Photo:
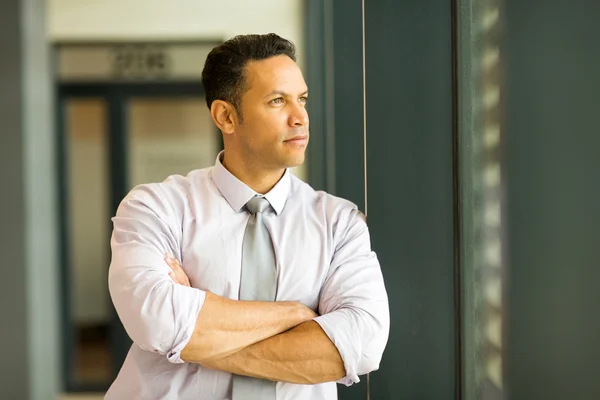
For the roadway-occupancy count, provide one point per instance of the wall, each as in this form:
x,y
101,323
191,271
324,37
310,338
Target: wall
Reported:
x,y
553,197
29,366
128,19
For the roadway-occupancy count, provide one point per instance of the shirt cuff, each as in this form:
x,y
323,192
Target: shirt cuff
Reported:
x,y
188,323
341,330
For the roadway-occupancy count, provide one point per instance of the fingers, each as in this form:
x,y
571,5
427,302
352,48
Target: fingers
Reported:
x,y
172,262
177,273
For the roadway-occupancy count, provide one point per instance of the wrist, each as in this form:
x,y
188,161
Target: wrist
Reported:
x,y
303,313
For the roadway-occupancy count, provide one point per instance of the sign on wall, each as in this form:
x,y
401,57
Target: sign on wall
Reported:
x,y
132,62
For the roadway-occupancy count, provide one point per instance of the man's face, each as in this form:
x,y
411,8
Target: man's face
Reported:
x,y
274,131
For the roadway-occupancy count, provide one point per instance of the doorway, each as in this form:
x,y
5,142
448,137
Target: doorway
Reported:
x,y
113,134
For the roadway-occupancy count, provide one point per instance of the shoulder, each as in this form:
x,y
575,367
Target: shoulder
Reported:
x,y
168,197
338,212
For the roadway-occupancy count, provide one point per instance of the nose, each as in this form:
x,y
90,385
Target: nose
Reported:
x,y
298,116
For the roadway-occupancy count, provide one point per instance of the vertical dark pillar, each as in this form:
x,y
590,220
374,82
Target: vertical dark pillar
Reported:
x,y
14,374
410,193
409,180
348,101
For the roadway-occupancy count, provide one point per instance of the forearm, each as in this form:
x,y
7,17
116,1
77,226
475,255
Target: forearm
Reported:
x,y
302,355
227,326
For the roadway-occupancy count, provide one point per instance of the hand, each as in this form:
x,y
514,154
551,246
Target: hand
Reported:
x,y
177,273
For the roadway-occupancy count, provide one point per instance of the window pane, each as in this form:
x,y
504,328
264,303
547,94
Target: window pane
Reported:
x,y
483,256
169,136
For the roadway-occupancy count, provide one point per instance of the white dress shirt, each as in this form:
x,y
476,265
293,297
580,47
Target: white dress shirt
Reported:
x,y
323,256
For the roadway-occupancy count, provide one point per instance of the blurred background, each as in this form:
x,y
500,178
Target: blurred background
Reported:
x,y
466,130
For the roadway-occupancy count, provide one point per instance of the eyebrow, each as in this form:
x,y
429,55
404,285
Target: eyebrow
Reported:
x,y
284,94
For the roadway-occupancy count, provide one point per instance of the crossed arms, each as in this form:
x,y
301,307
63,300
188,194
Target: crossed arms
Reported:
x,y
281,341
276,341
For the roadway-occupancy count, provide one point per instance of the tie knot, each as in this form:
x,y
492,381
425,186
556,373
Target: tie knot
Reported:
x,y
257,205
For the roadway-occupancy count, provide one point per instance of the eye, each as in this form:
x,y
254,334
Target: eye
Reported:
x,y
303,99
278,100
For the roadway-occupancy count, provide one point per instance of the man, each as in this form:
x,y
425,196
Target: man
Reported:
x,y
273,292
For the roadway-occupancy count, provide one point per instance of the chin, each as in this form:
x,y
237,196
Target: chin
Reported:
x,y
295,161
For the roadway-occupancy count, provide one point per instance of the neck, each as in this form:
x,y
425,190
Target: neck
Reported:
x,y
259,179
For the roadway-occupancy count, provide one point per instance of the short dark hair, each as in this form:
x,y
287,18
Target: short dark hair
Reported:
x,y
223,75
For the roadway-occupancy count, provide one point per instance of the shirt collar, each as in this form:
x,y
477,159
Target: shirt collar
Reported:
x,y
237,193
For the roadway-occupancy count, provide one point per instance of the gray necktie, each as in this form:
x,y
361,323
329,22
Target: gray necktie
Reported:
x,y
259,283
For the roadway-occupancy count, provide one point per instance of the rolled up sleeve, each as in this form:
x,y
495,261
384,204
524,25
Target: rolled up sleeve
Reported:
x,y
353,304
158,314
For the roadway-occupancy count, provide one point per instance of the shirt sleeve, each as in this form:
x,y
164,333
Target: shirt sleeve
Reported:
x,y
158,314
353,304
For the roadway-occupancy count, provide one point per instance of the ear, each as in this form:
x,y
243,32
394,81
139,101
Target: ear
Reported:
x,y
224,115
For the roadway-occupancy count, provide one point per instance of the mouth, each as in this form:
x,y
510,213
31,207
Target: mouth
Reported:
x,y
301,139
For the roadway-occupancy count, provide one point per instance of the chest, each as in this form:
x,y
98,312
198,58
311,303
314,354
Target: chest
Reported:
x,y
212,255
